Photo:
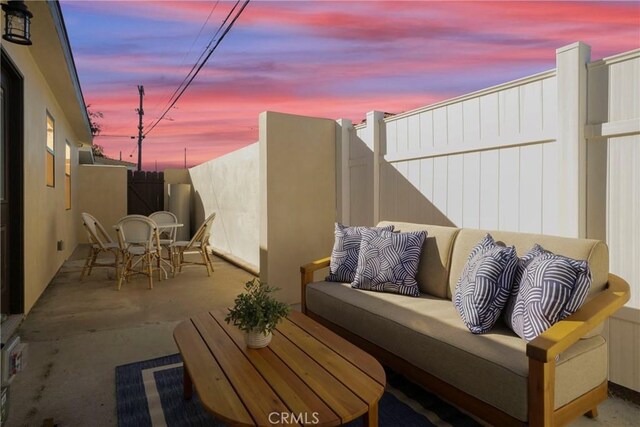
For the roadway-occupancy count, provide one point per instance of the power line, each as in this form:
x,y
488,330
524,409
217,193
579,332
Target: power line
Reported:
x,y
189,51
200,32
195,65
138,146
226,31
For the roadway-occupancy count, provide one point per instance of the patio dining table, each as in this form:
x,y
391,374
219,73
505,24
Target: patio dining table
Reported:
x,y
161,227
167,227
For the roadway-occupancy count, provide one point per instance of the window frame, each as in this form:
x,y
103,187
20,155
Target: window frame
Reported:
x,y
50,153
67,174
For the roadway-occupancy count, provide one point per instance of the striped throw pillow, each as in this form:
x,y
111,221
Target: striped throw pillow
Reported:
x,y
344,257
551,288
388,262
523,263
485,284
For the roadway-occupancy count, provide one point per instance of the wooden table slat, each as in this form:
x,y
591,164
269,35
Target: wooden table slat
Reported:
x,y
364,361
258,397
217,395
291,389
340,399
351,376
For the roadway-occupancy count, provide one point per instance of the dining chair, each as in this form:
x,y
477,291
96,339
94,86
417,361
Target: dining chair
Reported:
x,y
100,242
140,245
199,243
167,234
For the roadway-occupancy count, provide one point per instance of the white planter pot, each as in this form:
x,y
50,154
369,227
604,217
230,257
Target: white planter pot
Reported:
x,y
257,339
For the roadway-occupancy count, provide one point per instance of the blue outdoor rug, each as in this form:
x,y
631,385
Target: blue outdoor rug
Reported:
x,y
149,393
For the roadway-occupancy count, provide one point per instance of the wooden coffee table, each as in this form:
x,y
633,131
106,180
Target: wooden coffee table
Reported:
x,y
307,374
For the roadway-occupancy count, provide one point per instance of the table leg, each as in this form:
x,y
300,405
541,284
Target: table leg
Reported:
x,y
188,386
370,419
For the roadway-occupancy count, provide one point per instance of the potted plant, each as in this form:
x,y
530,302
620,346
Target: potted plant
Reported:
x,y
257,313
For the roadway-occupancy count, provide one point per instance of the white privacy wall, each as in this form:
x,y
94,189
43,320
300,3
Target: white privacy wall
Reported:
x,y
614,132
230,187
613,135
467,162
486,160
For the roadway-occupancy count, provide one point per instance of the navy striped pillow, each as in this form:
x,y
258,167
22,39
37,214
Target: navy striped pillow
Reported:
x,y
388,262
523,263
485,284
551,288
344,257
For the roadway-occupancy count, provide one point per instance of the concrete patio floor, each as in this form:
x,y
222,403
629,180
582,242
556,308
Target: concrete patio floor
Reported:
x,y
78,332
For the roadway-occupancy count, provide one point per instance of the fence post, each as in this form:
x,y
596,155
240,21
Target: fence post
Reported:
x,y
571,74
343,171
375,124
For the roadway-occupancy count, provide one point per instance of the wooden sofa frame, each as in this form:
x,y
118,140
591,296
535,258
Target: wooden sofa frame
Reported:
x,y
541,353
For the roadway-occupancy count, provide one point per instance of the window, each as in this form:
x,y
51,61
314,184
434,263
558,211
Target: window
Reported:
x,y
67,176
51,153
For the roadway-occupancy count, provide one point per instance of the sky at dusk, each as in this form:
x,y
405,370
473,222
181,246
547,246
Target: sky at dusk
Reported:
x,y
321,58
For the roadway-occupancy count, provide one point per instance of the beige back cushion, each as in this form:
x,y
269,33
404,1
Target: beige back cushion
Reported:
x,y
433,270
594,251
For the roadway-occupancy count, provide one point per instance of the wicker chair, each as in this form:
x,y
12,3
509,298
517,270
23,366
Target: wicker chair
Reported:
x,y
140,245
167,234
199,243
100,242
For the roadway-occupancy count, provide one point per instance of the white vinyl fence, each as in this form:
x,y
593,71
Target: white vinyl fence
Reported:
x,y
488,160
613,173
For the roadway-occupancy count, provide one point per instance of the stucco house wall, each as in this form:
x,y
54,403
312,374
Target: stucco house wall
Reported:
x,y
49,90
102,192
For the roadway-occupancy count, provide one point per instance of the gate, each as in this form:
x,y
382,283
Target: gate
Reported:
x,y
145,192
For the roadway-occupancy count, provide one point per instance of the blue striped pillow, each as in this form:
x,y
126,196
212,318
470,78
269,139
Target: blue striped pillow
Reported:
x,y
388,262
485,284
535,251
551,288
344,257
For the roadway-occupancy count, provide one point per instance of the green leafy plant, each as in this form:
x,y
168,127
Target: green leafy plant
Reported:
x,y
255,310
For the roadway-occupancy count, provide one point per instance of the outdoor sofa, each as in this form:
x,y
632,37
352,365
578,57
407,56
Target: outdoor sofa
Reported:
x,y
497,376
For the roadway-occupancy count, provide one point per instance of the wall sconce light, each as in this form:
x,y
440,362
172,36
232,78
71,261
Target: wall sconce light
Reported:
x,y
17,22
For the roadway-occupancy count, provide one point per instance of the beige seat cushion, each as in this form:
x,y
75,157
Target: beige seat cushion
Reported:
x,y
427,332
433,270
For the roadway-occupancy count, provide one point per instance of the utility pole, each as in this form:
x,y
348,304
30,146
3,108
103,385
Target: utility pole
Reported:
x,y
140,135
185,157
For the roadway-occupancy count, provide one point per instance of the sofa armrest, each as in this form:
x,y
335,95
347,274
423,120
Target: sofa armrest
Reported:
x,y
565,333
306,276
